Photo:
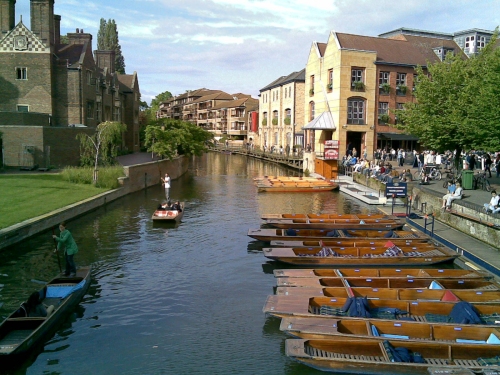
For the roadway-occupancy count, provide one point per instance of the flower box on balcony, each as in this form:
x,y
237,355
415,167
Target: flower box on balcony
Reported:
x,y
358,85
385,88
311,92
275,121
264,122
402,89
329,86
287,120
384,118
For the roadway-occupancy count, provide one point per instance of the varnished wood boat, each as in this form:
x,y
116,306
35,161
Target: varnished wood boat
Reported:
x,y
373,357
324,216
387,282
360,257
287,178
271,234
296,187
318,328
394,310
19,334
168,215
330,224
435,273
358,242
488,296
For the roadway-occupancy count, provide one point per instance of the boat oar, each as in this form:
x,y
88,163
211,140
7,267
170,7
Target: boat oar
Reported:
x,y
57,252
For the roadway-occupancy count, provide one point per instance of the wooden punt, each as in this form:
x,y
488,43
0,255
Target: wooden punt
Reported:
x,y
392,310
434,273
360,257
19,334
287,178
273,234
296,187
387,282
318,328
330,224
325,216
372,357
168,215
488,296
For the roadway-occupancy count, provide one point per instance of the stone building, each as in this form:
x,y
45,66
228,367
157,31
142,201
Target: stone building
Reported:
x,y
53,90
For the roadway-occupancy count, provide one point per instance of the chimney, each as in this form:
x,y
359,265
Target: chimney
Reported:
x,y
57,29
7,16
42,20
79,37
105,59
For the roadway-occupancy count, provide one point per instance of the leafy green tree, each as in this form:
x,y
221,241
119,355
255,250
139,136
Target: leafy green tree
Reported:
x,y
107,40
456,103
158,99
169,138
102,147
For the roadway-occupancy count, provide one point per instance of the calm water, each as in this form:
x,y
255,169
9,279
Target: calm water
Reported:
x,y
170,300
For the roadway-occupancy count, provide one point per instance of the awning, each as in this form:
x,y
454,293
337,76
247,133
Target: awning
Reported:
x,y
397,136
322,122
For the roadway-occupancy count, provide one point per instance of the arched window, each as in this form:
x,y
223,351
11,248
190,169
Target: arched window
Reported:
x,y
356,111
311,111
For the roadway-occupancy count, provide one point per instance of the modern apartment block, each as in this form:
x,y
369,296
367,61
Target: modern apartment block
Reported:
x,y
281,112
213,110
48,85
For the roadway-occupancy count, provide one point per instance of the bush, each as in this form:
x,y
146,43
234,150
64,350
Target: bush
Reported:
x,y
307,173
107,177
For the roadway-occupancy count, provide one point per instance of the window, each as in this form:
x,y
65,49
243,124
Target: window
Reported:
x,y
98,112
90,109
311,85
356,111
290,92
275,118
401,79
311,111
383,78
22,73
399,107
383,113
276,139
89,77
286,93
288,116
23,108
356,75
330,79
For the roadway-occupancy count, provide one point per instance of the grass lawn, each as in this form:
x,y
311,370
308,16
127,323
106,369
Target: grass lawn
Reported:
x,y
23,197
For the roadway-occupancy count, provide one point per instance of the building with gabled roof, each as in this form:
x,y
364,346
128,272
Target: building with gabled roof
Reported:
x,y
50,84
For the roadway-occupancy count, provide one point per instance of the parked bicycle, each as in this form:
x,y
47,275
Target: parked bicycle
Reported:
x,y
481,182
453,178
432,172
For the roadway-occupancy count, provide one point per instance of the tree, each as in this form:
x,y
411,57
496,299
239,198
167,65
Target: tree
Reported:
x,y
456,103
102,147
150,112
107,40
169,138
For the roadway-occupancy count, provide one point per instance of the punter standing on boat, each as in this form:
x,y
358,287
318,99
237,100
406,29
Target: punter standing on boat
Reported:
x,y
65,241
166,183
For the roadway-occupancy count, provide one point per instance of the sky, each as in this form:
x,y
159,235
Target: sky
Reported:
x,y
243,45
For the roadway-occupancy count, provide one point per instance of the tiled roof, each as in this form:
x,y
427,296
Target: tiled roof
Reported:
x,y
216,96
299,76
322,48
70,53
236,103
412,50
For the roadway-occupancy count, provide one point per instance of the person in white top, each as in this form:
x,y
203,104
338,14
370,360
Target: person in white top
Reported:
x,y
493,205
166,183
449,198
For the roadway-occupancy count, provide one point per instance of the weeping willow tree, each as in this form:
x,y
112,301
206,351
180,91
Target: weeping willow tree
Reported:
x,y
102,147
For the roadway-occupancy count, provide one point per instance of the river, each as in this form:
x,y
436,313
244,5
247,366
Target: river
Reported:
x,y
170,300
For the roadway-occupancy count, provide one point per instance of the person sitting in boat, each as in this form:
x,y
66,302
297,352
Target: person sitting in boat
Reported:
x,y
35,308
177,206
162,206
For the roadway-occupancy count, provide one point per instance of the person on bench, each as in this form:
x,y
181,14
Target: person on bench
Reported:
x,y
493,205
449,198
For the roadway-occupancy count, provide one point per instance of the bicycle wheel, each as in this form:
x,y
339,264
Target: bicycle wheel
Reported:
x,y
437,175
486,185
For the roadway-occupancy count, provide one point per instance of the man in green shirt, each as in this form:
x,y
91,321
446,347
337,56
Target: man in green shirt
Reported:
x,y
65,241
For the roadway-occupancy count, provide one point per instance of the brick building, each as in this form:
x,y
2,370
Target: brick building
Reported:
x,y
59,85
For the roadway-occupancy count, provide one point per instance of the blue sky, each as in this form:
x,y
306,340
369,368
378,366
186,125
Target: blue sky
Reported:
x,y
241,46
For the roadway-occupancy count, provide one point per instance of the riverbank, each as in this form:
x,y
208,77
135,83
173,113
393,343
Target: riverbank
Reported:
x,y
140,172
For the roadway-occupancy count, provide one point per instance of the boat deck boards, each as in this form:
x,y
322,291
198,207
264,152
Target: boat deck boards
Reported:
x,y
15,337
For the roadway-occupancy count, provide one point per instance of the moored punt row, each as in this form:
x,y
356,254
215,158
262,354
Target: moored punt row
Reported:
x,y
383,272
420,311
319,328
324,216
373,357
267,235
296,187
489,296
387,282
371,224
356,242
360,257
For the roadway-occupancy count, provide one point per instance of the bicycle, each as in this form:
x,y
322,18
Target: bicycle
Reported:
x,y
432,172
480,181
453,178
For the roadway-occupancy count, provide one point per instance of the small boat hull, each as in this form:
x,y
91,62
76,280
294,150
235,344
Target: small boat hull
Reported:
x,y
168,215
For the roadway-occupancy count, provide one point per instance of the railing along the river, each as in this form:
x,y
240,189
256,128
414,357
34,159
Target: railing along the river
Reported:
x,y
292,159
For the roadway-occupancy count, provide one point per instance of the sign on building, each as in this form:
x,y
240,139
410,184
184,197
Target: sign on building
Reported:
x,y
332,150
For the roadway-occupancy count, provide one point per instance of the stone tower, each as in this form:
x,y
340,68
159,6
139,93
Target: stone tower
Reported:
x,y
42,20
7,16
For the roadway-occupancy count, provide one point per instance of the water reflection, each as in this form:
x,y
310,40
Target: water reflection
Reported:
x,y
167,299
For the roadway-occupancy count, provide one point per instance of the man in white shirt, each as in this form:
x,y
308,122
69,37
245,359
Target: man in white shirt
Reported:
x,y
493,205
449,198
